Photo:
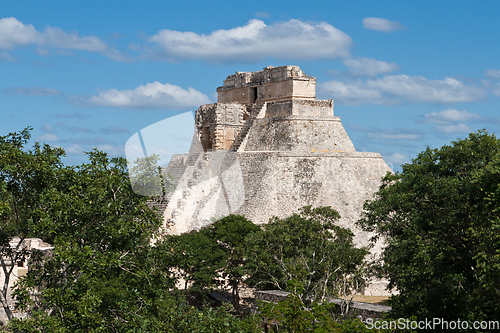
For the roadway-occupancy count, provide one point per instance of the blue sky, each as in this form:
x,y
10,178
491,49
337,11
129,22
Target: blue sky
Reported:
x,y
404,75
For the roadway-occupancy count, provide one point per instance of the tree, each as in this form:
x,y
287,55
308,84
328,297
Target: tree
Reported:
x,y
103,274
440,218
196,259
27,177
229,235
292,315
212,257
310,249
145,177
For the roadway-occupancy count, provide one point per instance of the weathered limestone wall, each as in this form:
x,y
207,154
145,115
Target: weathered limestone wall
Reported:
x,y
240,95
211,186
288,89
272,91
277,184
300,107
298,133
218,124
270,84
268,74
261,185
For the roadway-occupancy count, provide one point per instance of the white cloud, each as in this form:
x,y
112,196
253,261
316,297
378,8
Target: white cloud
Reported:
x,y
398,89
47,128
154,95
369,67
70,116
254,42
79,129
458,128
113,130
112,150
393,136
74,150
492,85
31,91
492,74
496,89
381,24
354,92
448,120
47,138
376,133
14,33
5,56
451,116
396,158
42,52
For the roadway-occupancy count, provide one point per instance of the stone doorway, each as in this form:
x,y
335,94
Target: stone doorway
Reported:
x,y
252,94
206,142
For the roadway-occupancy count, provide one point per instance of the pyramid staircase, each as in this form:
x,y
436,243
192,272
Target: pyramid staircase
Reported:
x,y
178,207
172,175
257,111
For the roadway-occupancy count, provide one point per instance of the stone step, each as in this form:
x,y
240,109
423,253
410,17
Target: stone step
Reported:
x,y
175,170
241,136
192,158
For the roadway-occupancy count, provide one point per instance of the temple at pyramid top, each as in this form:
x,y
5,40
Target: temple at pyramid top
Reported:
x,y
267,85
266,110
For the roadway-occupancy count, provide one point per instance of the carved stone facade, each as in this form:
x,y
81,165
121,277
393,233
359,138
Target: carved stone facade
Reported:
x,y
17,269
270,84
219,124
265,149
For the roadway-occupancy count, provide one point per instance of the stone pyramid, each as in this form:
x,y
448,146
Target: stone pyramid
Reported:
x,y
265,149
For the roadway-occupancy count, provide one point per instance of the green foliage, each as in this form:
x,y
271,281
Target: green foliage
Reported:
x,y
230,234
173,315
441,220
292,315
196,257
146,178
103,272
308,248
26,180
212,257
207,320
289,315
105,276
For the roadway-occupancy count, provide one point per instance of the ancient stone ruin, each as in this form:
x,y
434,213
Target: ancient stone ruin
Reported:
x,y
15,266
265,149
